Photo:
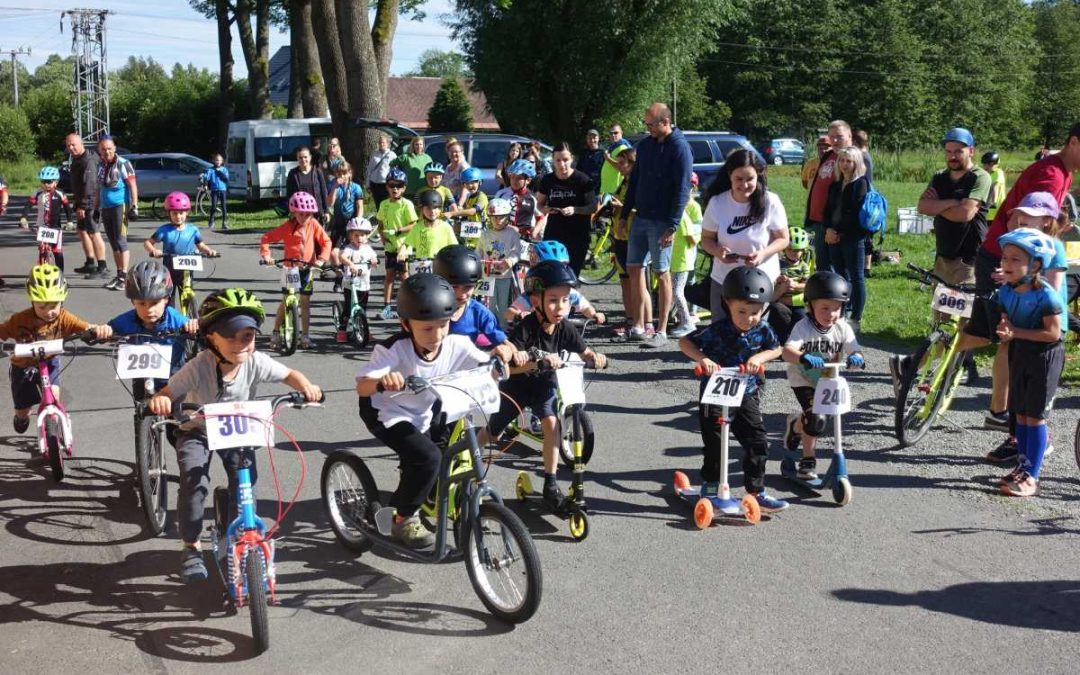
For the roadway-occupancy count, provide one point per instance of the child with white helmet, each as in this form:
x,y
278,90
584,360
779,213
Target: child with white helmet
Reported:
x,y
356,259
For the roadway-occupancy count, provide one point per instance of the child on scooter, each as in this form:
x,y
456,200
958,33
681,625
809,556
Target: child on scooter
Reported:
x,y
404,423
355,258
460,266
818,338
741,339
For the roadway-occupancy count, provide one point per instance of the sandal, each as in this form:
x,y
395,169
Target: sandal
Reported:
x,y
1022,485
192,567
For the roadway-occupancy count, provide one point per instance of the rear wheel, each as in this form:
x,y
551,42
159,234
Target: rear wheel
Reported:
x,y
566,444
918,402
350,498
504,567
290,328
255,576
153,482
54,441
599,265
361,333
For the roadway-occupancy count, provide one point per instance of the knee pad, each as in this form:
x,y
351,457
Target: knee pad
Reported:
x,y
813,425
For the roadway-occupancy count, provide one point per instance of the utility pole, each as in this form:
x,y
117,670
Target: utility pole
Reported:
x,y
90,89
15,70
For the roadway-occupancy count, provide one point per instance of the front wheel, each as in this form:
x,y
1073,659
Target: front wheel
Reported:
x,y
54,441
255,579
150,462
579,526
1076,443
335,313
361,332
503,566
778,160
918,402
290,328
190,308
842,491
350,498
566,444
599,265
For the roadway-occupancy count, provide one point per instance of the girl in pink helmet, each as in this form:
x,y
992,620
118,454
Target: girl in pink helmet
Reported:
x,y
177,237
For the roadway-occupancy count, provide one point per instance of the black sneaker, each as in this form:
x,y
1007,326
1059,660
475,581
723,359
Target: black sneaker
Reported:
x,y
21,424
553,496
807,468
1005,453
102,273
997,421
86,268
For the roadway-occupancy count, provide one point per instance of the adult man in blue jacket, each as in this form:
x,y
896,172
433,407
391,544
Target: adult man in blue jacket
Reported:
x,y
659,189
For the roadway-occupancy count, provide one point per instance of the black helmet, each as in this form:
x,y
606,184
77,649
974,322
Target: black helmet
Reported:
x,y
458,264
431,199
548,273
747,283
990,157
827,286
426,297
148,280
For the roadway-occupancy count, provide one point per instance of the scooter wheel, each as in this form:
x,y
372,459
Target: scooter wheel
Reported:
x,y
681,481
841,491
579,526
753,510
703,513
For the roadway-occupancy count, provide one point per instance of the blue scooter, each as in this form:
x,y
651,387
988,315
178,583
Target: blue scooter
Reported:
x,y
831,399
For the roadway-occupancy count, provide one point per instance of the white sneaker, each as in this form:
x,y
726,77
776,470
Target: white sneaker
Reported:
x,y
275,341
305,342
680,331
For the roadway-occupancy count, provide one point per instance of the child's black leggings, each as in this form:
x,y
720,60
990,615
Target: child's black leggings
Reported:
x,y
748,428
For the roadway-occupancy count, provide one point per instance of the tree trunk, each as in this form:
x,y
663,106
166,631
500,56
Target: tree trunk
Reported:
x,y
256,48
296,106
306,55
228,105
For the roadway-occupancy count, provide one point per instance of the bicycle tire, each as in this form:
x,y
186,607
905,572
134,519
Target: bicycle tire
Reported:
x,y
566,450
157,208
916,393
290,328
46,257
335,313
599,265
190,310
350,499
153,481
255,579
1076,443
54,444
361,334
520,557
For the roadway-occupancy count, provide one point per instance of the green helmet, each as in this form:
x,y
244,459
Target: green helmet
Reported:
x,y
227,303
800,239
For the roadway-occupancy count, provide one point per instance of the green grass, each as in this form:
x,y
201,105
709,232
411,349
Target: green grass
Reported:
x,y
21,175
242,216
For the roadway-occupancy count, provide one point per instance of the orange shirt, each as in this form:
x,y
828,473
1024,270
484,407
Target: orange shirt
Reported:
x,y
299,242
25,326
819,189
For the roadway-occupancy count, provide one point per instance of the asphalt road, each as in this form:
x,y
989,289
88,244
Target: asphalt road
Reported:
x,y
928,569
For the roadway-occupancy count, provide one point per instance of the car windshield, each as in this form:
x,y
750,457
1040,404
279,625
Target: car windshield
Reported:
x,y
279,148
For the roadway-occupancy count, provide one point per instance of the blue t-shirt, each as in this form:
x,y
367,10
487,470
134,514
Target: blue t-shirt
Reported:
x,y
128,324
1061,262
177,242
112,182
345,201
217,178
478,320
729,347
1027,310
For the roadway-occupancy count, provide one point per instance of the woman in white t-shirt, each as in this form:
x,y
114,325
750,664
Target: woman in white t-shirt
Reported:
x,y
742,218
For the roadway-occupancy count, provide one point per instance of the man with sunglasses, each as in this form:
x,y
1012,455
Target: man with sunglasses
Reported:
x,y
610,178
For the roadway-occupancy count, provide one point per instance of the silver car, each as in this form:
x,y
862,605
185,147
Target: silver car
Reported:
x,y
160,173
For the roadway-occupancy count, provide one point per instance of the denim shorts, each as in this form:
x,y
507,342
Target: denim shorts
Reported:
x,y
645,240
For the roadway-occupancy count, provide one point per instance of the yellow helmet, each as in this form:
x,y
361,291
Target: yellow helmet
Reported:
x,y
46,283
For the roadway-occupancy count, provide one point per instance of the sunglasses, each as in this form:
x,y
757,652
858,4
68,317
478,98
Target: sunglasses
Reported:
x,y
394,187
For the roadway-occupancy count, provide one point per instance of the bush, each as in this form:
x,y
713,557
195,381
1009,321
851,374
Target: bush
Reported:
x,y
15,138
451,110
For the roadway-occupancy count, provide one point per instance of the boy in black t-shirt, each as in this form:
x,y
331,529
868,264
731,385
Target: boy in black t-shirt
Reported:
x,y
548,284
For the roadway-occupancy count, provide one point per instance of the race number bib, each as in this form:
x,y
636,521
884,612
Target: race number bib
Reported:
x,y
726,387
473,390
47,235
485,287
239,424
143,361
290,278
571,380
40,350
832,396
421,267
189,263
956,303
470,229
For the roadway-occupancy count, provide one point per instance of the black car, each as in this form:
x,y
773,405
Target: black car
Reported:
x,y
710,149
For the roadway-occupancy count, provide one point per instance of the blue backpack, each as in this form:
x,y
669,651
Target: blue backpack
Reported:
x,y
874,211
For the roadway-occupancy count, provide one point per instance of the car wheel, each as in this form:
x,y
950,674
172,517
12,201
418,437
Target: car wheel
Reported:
x,y
778,160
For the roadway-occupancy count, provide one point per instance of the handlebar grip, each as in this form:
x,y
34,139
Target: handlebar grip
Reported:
x,y
699,371
379,388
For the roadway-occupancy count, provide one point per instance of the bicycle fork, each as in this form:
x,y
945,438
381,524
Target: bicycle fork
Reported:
x,y
243,537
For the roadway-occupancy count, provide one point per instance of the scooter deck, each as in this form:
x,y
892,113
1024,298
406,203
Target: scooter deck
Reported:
x,y
722,508
789,469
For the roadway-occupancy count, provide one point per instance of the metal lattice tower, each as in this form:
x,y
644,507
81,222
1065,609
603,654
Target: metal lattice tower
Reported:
x,y
90,88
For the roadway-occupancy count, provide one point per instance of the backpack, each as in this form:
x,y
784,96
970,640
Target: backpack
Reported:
x,y
873,212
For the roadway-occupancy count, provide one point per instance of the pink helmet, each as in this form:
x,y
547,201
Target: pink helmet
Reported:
x,y
302,202
177,201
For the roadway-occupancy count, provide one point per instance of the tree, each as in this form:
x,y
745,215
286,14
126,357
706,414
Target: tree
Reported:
x,y
305,81
437,63
1055,102
16,141
451,110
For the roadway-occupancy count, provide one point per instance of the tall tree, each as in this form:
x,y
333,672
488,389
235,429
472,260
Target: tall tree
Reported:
x,y
451,110
437,63
227,111
1055,102
305,76
255,43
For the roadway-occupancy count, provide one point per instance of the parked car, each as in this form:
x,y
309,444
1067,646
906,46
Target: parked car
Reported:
x,y
710,149
484,151
160,173
783,151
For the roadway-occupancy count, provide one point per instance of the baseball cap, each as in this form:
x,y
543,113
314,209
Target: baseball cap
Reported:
x,y
1039,204
592,132
959,135
233,325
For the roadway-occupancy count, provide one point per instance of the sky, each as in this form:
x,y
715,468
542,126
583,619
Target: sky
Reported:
x,y
170,31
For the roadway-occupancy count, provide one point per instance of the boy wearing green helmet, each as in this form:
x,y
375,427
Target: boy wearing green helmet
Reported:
x,y
796,266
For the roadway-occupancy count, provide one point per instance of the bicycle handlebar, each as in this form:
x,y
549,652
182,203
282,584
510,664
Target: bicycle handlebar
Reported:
x,y
296,261
86,336
929,275
293,399
414,384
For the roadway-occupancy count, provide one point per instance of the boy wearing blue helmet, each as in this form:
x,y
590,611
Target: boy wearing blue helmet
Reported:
x,y
525,213
552,250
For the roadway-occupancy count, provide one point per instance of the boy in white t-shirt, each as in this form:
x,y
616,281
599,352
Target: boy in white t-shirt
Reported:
x,y
818,338
356,259
404,423
500,248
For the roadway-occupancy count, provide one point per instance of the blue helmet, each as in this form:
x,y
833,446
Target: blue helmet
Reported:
x,y
959,135
1037,245
471,174
551,250
397,176
434,167
48,173
522,167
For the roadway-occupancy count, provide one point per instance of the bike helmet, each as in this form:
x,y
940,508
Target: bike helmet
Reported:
x,y
434,167
177,201
1037,245
48,174
499,207
426,297
302,202
457,264
46,283
228,303
148,280
551,250
522,167
359,224
827,286
800,239
431,199
548,274
747,283
396,176
990,158
472,174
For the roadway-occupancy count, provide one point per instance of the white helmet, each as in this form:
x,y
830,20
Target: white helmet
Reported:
x,y
360,224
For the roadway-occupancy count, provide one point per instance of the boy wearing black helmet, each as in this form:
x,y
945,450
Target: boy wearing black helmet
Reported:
x,y
741,339
818,338
423,347
548,284
460,265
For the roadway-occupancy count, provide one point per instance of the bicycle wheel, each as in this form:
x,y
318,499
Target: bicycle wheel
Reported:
x,y
157,207
599,265
54,441
918,402
361,332
335,313
290,328
153,480
350,498
504,568
255,579
1076,443
566,448
190,309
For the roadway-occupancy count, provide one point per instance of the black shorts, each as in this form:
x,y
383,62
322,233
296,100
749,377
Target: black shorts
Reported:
x,y
88,224
985,316
26,383
306,287
1034,372
539,394
985,264
392,264
805,397
619,248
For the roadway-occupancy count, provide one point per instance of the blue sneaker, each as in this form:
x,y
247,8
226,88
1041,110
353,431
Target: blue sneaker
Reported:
x,y
770,504
710,489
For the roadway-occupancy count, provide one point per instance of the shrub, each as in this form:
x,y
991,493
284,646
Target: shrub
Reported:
x,y
15,138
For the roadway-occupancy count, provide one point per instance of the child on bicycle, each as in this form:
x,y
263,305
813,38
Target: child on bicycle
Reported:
x,y
500,248
522,305
304,239
46,319
525,214
431,235
405,423
356,258
683,254
230,369
548,284
216,180
397,217
741,339
346,200
820,337
461,266
176,237
433,175
795,268
49,204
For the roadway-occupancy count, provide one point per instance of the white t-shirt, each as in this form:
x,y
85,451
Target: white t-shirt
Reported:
x,y
197,381
807,338
356,255
504,244
397,354
729,220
